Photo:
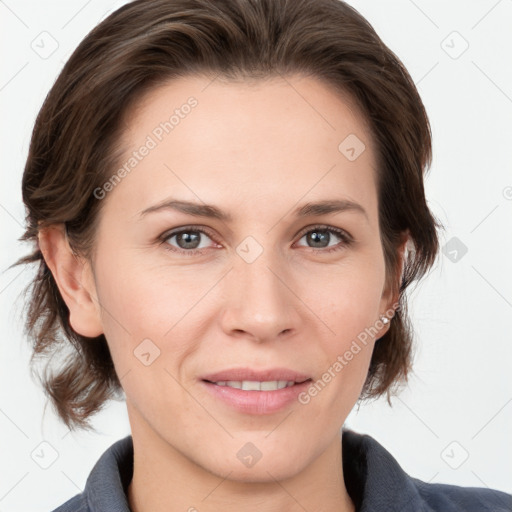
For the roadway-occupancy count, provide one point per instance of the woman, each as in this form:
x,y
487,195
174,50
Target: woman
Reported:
x,y
227,199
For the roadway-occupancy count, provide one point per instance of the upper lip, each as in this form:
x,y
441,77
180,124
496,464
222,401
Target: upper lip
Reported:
x,y
249,374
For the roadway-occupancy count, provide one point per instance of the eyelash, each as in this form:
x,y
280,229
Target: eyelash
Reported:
x,y
346,239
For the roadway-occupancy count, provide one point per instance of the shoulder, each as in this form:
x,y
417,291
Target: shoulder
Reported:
x,y
448,498
376,481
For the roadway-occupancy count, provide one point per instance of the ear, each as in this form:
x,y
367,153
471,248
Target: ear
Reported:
x,y
74,278
391,294
400,268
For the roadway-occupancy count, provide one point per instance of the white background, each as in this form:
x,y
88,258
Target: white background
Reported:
x,y
453,423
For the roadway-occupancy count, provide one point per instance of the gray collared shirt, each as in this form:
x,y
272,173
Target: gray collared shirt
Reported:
x,y
374,480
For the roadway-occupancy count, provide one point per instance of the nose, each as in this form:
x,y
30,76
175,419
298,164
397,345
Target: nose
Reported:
x,y
260,303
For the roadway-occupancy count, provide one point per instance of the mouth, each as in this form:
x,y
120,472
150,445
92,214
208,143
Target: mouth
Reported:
x,y
255,385
250,377
256,393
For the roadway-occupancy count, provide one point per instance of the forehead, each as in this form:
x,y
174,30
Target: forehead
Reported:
x,y
221,141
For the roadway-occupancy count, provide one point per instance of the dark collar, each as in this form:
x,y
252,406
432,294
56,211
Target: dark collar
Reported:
x,y
374,479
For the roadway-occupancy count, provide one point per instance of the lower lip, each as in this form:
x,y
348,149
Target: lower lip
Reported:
x,y
257,402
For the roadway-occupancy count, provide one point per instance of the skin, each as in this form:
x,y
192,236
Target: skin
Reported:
x,y
257,151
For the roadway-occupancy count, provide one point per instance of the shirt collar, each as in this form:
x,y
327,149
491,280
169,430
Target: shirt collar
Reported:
x,y
374,479
107,485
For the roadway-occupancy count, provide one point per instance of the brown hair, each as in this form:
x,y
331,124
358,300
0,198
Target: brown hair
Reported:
x,y
74,148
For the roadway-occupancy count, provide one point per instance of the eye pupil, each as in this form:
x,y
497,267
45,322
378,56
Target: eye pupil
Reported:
x,y
319,237
188,237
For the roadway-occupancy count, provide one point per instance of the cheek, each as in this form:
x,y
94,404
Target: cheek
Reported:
x,y
348,301
351,313
150,310
145,297
347,296
148,330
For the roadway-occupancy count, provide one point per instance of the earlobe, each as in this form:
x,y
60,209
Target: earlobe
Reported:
x,y
73,276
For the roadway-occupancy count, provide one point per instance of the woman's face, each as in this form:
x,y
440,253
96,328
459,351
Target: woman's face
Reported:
x,y
263,288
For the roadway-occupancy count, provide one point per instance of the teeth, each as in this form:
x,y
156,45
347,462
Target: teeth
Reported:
x,y
251,385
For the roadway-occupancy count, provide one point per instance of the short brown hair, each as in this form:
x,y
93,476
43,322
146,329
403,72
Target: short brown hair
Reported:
x,y
149,42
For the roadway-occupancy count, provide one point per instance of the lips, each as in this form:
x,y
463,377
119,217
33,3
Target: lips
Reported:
x,y
250,374
255,402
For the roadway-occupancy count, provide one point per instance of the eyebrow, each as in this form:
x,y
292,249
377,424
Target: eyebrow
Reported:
x,y
207,210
